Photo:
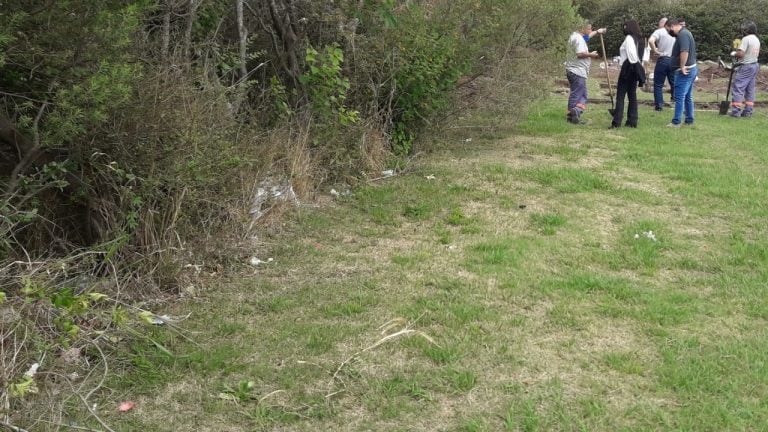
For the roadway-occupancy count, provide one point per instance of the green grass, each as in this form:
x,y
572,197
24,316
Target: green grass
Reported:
x,y
531,293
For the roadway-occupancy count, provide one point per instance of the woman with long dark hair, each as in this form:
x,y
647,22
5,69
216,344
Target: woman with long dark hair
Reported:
x,y
632,73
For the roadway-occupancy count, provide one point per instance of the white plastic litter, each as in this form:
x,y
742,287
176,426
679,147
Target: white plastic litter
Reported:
x,y
335,193
430,177
32,371
256,261
156,320
647,234
268,192
388,173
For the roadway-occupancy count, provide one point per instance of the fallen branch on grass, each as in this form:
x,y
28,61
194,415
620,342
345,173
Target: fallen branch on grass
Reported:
x,y
384,328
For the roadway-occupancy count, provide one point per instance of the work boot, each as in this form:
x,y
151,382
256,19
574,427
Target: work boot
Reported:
x,y
574,116
735,112
746,113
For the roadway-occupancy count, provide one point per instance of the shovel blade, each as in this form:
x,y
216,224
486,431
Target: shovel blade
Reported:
x,y
724,105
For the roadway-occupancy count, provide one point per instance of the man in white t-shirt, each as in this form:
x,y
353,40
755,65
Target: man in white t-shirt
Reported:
x,y
577,63
661,44
745,77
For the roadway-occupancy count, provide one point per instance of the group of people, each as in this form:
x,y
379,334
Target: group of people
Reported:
x,y
676,63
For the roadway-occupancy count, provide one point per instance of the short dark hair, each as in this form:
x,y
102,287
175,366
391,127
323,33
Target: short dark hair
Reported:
x,y
674,21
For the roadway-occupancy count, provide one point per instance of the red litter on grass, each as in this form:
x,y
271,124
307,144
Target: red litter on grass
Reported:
x,y
126,406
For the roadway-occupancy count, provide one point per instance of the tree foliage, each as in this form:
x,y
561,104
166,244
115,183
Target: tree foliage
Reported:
x,y
714,23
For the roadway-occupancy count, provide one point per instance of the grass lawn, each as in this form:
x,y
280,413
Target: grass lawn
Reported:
x,y
546,277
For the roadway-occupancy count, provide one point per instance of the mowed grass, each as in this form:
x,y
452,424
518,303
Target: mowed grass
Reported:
x,y
563,278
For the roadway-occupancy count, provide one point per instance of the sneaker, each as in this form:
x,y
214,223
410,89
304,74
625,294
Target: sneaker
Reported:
x,y
658,108
673,125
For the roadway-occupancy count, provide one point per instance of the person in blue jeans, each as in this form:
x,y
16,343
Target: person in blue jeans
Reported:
x,y
684,63
661,43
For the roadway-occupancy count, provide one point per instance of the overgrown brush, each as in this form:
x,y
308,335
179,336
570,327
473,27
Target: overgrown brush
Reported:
x,y
135,136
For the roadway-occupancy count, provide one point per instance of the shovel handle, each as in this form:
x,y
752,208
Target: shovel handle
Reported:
x,y
607,74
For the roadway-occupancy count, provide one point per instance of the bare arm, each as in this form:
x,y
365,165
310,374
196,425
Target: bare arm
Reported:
x,y
683,61
592,54
652,43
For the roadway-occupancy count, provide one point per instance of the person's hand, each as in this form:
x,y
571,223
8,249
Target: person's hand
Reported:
x,y
733,53
601,30
595,54
684,70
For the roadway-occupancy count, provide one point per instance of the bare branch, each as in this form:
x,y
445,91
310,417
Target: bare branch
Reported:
x,y
30,155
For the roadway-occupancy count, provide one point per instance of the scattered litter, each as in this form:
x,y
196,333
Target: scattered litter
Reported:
x,y
227,397
337,194
430,177
256,261
268,192
156,320
522,206
190,290
126,406
647,234
468,140
153,319
32,371
196,267
451,247
388,173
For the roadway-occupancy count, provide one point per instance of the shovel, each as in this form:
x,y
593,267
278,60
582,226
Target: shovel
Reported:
x,y
611,110
725,105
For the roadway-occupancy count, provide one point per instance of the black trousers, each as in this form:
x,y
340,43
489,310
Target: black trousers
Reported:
x,y
626,87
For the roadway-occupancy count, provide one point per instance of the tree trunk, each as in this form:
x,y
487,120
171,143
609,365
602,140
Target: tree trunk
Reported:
x,y
166,37
284,27
243,33
191,17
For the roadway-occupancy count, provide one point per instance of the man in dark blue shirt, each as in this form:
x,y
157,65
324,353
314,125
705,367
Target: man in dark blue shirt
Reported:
x,y
684,65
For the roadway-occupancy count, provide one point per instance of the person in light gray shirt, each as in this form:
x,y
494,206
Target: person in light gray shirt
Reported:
x,y
745,77
577,63
661,44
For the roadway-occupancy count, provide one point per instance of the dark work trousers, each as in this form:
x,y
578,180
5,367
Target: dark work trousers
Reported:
x,y
626,86
662,72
